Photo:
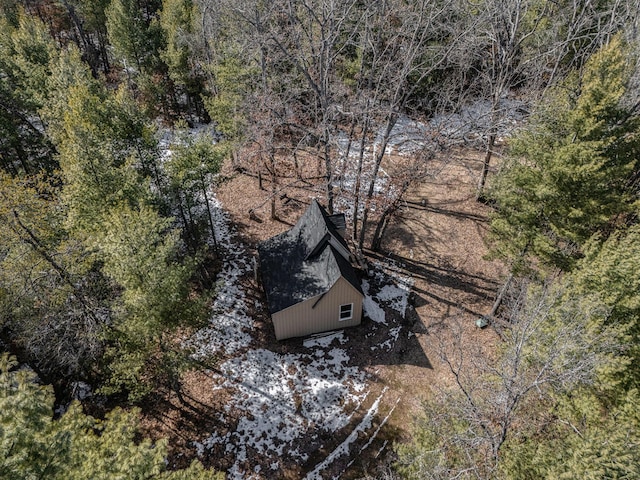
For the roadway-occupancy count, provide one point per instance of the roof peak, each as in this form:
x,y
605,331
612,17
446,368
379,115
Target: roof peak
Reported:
x,y
306,260
317,230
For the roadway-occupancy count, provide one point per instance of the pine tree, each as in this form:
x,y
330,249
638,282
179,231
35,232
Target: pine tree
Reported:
x,y
612,268
582,439
75,447
570,170
26,51
128,30
193,163
105,152
179,22
233,79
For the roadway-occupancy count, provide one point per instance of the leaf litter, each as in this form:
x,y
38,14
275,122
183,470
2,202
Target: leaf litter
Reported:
x,y
285,405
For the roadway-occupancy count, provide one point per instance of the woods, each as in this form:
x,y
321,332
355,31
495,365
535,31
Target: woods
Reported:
x,y
109,248
567,192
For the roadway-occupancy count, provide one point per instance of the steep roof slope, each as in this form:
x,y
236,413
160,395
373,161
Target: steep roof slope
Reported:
x,y
304,261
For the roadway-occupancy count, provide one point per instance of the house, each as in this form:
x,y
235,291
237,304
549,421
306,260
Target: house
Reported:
x,y
308,278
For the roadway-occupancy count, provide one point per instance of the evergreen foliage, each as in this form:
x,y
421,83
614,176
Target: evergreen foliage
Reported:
x,y
612,268
195,160
234,82
583,441
570,171
134,40
140,254
76,446
116,280
181,54
25,55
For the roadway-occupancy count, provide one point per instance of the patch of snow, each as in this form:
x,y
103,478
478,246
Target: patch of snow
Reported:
x,y
166,137
371,307
407,136
381,449
474,120
281,396
344,447
373,436
80,390
229,327
388,344
396,295
199,448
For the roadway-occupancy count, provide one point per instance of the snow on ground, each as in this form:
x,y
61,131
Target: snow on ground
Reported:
x,y
371,307
229,327
468,125
283,396
167,137
394,294
474,120
372,437
281,403
344,447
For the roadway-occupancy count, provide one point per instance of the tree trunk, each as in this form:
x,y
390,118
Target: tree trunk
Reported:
x,y
485,167
372,184
381,227
356,190
206,202
328,165
194,231
500,296
37,245
274,187
386,216
191,241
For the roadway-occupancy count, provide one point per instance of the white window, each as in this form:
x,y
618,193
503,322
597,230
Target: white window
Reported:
x,y
346,312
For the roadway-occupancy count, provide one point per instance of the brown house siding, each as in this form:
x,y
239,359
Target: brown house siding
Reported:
x,y
320,313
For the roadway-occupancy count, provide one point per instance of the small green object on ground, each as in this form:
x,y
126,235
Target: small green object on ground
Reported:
x,y
482,322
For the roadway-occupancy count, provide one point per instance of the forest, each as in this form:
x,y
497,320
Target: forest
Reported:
x,y
122,122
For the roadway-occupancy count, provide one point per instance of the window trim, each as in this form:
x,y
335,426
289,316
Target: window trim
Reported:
x,y
341,312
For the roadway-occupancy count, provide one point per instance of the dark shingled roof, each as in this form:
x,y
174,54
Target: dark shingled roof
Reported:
x,y
304,261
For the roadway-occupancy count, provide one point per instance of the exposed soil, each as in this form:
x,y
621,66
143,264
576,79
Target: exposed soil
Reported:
x,y
437,238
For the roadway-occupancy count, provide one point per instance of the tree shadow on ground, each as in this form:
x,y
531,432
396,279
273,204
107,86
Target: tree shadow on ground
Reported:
x,y
439,209
396,343
444,276
368,450
183,419
477,288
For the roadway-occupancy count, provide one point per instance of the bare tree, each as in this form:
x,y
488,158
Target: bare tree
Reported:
x,y
526,45
403,45
552,343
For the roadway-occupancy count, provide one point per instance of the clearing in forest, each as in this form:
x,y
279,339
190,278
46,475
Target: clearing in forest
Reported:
x,y
330,405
